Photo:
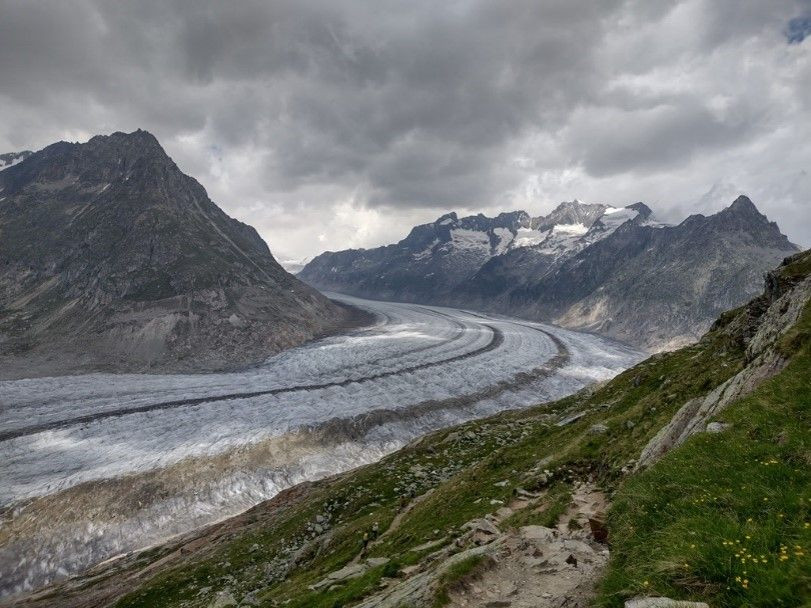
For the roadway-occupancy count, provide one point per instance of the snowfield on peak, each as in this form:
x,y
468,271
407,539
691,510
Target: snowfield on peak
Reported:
x,y
578,229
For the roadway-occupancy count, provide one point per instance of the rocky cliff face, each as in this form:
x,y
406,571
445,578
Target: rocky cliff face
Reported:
x,y
611,270
112,258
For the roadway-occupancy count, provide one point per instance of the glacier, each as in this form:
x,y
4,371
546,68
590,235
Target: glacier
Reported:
x,y
97,465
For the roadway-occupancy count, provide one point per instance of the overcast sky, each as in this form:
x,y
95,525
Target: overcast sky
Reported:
x,y
338,124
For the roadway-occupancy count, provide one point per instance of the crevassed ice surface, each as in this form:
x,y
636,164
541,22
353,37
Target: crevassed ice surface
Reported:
x,y
95,465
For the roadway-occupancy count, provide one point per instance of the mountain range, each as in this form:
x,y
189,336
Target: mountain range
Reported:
x,y
611,270
112,258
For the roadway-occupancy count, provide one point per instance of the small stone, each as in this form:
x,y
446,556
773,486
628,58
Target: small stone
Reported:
x,y
223,600
482,525
717,427
570,418
250,599
629,424
537,533
504,512
598,429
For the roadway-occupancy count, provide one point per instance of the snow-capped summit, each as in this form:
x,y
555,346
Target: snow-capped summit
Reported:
x,y
438,256
607,268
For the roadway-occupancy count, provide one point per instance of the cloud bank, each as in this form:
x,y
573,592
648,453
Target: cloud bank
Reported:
x,y
333,124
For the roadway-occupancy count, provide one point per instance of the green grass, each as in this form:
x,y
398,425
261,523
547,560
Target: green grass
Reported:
x,y
552,506
725,517
345,594
462,569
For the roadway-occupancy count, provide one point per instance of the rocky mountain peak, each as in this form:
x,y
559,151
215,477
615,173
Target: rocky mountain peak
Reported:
x,y
571,212
642,209
103,161
447,218
743,217
744,207
114,229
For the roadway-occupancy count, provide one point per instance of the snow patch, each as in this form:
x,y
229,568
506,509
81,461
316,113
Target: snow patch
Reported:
x,y
470,239
578,229
505,238
14,161
527,237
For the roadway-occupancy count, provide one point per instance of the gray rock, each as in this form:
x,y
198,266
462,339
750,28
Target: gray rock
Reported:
x,y
662,602
570,418
250,600
598,429
718,427
482,525
224,599
539,533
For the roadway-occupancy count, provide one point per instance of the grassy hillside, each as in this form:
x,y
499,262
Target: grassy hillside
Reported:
x,y
723,518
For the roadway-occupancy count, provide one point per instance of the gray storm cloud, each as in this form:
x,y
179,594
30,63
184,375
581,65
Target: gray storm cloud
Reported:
x,y
334,124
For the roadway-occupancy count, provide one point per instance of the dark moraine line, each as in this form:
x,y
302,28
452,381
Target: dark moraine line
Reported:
x,y
336,430
496,340
459,325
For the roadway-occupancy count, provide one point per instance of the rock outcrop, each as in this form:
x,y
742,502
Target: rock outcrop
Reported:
x,y
763,322
111,258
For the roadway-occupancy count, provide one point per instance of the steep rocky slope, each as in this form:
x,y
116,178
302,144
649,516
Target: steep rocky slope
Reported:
x,y
610,270
112,258
10,159
548,507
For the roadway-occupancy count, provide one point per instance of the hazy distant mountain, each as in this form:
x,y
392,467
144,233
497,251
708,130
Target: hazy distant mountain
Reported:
x,y
613,270
112,258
